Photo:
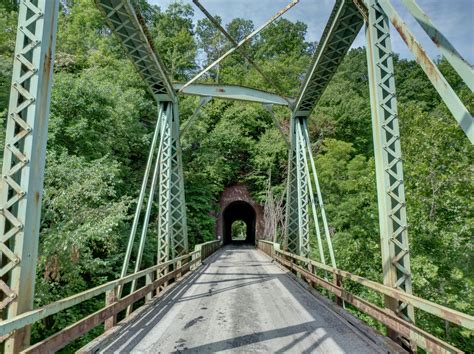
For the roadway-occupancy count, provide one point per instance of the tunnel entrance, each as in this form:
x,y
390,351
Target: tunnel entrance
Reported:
x,y
245,213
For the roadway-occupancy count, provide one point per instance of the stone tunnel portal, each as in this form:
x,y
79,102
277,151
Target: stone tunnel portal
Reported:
x,y
239,210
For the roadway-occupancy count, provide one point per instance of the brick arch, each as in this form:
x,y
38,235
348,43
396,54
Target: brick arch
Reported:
x,y
231,195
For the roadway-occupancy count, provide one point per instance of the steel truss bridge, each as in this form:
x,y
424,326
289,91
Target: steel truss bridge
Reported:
x,y
24,162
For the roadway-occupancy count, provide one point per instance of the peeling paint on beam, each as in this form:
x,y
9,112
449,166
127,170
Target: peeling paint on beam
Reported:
x,y
439,82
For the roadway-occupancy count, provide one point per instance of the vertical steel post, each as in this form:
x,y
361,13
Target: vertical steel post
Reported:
x,y
179,236
297,230
388,161
24,159
164,215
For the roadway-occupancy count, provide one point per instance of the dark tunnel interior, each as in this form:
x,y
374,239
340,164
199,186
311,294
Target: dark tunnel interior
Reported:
x,y
239,210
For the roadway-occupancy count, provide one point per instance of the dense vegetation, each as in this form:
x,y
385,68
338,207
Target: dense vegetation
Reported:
x,y
101,123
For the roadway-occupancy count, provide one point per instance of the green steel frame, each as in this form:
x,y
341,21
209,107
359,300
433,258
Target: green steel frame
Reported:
x,y
388,161
343,26
129,27
26,135
24,159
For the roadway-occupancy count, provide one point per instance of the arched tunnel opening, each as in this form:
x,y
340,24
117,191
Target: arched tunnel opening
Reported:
x,y
239,211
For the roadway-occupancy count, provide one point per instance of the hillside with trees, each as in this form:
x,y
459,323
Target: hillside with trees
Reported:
x,y
101,124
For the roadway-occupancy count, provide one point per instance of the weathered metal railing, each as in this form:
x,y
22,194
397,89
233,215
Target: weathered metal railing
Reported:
x,y
423,339
113,305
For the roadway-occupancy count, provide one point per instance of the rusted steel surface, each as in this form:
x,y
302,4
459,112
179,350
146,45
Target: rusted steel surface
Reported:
x,y
67,335
420,337
439,82
443,312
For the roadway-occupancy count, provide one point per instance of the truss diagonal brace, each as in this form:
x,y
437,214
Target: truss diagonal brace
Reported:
x,y
343,26
464,70
452,101
130,28
203,101
238,46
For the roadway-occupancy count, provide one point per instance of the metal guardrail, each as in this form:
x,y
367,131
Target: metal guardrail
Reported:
x,y
113,305
422,338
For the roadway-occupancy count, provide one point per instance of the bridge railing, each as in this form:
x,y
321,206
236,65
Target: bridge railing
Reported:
x,y
113,305
207,248
307,269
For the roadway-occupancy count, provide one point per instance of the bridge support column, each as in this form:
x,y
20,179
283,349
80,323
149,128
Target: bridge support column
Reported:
x,y
172,224
300,196
24,160
297,220
167,180
388,161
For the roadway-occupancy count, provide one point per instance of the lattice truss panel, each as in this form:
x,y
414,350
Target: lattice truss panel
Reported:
x,y
23,159
297,218
129,26
164,228
343,26
389,166
172,226
179,236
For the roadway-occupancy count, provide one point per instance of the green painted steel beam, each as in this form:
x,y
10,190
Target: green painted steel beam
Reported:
x,y
437,79
393,225
233,92
462,67
24,160
130,28
343,26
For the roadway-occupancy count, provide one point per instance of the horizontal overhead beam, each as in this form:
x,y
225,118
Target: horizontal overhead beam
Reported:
x,y
342,28
232,92
130,28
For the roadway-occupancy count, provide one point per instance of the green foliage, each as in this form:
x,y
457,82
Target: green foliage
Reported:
x,y
7,46
172,32
100,127
82,227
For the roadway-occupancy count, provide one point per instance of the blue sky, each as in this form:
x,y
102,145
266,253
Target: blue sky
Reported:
x,y
454,18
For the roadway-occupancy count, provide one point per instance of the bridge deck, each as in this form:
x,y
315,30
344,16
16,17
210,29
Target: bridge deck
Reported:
x,y
239,301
